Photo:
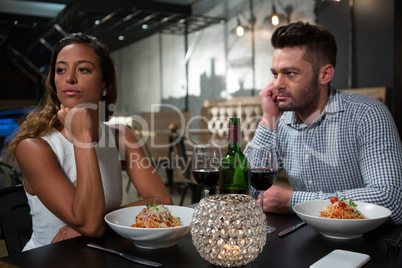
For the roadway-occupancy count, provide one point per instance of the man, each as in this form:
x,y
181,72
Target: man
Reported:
x,y
330,143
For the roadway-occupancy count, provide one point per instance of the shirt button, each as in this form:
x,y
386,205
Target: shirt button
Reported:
x,y
311,130
306,156
310,182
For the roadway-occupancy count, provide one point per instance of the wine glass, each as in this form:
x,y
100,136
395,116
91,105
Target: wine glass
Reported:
x,y
205,165
264,170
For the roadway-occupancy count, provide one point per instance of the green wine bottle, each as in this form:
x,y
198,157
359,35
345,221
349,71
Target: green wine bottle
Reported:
x,y
234,171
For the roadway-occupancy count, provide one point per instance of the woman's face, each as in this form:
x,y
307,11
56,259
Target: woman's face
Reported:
x,y
78,76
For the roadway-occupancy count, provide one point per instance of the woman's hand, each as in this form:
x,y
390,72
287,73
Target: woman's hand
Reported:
x,y
64,233
271,113
77,121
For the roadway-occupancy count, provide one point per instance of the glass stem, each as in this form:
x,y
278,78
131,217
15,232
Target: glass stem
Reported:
x,y
206,192
262,200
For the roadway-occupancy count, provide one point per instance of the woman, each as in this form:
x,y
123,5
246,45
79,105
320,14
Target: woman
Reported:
x,y
69,158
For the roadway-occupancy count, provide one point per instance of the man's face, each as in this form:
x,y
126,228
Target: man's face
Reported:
x,y
296,86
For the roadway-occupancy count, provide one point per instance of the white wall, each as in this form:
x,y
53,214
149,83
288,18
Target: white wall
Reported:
x,y
152,70
137,68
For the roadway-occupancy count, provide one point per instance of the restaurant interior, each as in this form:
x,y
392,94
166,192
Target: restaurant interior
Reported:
x,y
188,56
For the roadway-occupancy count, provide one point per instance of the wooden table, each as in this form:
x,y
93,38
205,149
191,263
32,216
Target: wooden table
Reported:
x,y
298,249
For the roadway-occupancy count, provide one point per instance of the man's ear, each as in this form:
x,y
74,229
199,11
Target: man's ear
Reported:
x,y
326,74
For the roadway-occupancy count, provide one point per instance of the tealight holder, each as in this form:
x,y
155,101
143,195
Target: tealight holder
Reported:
x,y
228,230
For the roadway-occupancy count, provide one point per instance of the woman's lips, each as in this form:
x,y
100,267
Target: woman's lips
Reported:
x,y
70,92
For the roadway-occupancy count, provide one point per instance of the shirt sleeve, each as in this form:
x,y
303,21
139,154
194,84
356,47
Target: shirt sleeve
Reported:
x,y
264,135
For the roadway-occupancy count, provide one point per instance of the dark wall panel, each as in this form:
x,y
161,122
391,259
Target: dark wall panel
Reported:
x,y
398,64
375,34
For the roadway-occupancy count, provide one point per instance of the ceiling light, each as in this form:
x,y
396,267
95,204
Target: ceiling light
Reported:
x,y
240,29
121,37
275,18
144,26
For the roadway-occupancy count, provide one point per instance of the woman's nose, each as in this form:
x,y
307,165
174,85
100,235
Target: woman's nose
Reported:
x,y
71,79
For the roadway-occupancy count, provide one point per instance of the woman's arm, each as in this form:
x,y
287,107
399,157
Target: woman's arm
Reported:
x,y
138,167
81,207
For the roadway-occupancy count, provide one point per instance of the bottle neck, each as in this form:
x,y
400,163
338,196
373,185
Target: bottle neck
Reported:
x,y
234,136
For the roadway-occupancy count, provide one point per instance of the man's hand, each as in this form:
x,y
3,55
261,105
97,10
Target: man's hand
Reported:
x,y
271,113
277,200
64,233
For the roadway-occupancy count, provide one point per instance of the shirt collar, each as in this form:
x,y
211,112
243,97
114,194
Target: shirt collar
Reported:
x,y
333,106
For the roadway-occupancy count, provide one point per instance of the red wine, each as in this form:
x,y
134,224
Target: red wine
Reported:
x,y
263,178
206,178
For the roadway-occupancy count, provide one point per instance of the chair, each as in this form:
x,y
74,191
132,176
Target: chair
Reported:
x,y
377,93
15,218
8,176
184,166
216,114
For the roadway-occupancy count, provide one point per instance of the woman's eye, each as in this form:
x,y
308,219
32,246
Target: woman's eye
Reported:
x,y
59,70
83,70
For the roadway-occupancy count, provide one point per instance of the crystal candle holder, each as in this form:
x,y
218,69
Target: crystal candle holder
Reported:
x,y
228,230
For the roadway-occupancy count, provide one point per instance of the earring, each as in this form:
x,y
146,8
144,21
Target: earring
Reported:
x,y
104,92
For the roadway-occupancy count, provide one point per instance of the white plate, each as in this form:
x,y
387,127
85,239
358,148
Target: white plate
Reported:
x,y
150,238
340,228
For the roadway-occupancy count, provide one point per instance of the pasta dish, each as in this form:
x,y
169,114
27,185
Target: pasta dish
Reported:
x,y
341,209
156,216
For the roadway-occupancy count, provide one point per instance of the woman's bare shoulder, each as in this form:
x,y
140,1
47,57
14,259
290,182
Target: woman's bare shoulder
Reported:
x,y
33,147
32,142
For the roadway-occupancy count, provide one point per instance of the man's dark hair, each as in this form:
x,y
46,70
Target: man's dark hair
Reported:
x,y
320,44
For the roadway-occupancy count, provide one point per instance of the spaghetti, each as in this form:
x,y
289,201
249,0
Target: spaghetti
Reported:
x,y
341,209
156,216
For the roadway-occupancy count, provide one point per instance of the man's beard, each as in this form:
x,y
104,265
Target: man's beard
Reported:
x,y
302,99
